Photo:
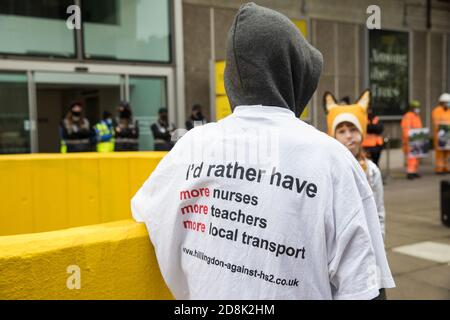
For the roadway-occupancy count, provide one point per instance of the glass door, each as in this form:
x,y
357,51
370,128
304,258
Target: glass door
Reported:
x,y
147,96
55,91
51,95
14,113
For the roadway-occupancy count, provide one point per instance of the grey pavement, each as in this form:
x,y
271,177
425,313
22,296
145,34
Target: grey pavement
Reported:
x,y
413,217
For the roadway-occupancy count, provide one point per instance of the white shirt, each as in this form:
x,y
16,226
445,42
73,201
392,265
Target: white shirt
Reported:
x,y
376,184
306,229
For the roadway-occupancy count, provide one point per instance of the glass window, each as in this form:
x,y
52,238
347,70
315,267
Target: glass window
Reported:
x,y
389,71
134,30
36,27
14,114
147,96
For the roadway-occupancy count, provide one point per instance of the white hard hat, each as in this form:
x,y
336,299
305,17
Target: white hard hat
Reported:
x,y
445,97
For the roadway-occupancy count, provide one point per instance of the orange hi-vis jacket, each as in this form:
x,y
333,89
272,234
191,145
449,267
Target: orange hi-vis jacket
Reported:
x,y
372,139
410,120
439,115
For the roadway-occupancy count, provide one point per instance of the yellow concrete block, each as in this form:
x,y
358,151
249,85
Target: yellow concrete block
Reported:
x,y
223,108
49,190
140,169
302,25
115,261
15,197
83,196
44,192
114,189
219,72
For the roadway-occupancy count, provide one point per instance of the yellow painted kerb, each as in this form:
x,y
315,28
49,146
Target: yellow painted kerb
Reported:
x,y
115,261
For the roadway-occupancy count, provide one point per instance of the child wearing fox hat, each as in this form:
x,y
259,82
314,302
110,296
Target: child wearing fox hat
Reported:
x,y
348,124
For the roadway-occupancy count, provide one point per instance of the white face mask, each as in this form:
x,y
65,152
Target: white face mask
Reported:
x,y
417,110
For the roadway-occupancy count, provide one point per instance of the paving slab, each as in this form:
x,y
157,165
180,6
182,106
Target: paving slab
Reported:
x,y
417,243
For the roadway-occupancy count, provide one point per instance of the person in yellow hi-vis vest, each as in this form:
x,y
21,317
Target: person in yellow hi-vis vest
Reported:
x,y
63,145
441,116
105,133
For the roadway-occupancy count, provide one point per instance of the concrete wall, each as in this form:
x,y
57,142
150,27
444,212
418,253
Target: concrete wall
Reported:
x,y
49,192
337,28
341,45
115,261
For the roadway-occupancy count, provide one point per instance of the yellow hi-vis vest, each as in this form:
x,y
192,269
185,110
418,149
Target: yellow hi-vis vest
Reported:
x,y
103,130
63,147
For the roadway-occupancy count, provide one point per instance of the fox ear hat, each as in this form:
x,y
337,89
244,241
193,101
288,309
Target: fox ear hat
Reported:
x,y
354,113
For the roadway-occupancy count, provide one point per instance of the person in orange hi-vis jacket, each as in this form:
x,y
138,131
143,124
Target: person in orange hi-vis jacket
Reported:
x,y
441,115
373,141
411,120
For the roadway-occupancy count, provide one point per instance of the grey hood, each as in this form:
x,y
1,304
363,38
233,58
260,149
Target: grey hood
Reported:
x,y
269,62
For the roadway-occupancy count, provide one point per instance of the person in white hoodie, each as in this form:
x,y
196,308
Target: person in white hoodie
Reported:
x,y
348,124
261,205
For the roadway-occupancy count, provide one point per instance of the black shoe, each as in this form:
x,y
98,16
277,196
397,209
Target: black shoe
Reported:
x,y
410,176
440,173
416,175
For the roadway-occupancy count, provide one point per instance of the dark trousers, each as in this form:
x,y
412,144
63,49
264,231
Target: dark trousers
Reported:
x,y
163,146
81,147
126,147
382,295
374,153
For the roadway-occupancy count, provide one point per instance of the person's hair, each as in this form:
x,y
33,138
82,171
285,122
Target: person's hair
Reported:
x,y
126,114
75,103
196,107
362,154
72,104
162,110
124,104
106,115
345,99
348,124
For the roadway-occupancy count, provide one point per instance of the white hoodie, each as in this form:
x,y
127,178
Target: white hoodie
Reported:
x,y
261,205
376,184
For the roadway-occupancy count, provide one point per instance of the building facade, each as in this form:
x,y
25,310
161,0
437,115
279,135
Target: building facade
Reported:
x,y
166,53
338,29
122,50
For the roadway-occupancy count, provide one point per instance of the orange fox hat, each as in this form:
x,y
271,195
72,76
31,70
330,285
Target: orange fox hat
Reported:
x,y
354,113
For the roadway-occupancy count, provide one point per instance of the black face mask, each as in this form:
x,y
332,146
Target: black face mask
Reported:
x,y
125,114
76,113
197,115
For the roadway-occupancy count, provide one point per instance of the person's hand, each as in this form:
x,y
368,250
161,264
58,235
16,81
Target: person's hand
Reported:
x,y
118,129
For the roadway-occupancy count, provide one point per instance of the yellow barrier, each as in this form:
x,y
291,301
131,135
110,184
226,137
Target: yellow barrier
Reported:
x,y
115,261
46,192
